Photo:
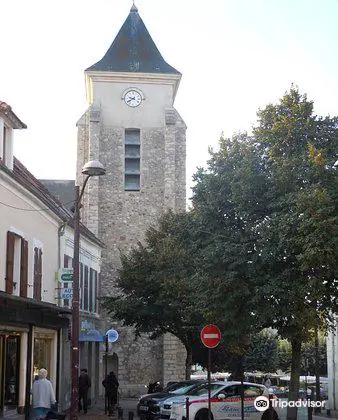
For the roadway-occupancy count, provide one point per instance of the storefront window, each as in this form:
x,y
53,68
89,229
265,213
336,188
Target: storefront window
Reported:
x,y
42,353
11,370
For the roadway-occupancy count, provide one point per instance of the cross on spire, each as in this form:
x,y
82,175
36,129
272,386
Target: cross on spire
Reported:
x,y
133,7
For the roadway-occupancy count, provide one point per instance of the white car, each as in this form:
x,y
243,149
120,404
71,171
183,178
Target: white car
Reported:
x,y
225,403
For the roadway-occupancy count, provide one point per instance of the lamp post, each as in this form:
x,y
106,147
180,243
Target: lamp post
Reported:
x,y
110,337
92,168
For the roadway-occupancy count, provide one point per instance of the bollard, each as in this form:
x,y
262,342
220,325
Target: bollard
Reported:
x,y
120,412
187,405
130,415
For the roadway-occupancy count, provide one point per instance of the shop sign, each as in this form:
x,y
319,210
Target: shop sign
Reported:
x,y
65,275
66,293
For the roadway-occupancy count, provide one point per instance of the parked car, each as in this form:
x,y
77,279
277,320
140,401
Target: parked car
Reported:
x,y
225,402
148,407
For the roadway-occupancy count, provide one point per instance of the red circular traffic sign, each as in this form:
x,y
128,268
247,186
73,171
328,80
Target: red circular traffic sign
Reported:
x,y
211,336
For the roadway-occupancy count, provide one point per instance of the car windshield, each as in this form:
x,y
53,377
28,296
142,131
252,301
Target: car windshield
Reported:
x,y
203,389
184,389
173,387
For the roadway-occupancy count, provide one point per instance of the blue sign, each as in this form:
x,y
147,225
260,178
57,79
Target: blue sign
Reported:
x,y
91,335
112,335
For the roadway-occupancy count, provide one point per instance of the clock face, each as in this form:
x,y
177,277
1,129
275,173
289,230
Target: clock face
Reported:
x,y
132,98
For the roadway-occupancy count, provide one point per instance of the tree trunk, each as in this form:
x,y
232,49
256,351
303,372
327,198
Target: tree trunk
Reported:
x,y
296,346
188,362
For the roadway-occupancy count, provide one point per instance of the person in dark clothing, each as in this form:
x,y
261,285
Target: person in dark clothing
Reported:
x,y
84,385
111,385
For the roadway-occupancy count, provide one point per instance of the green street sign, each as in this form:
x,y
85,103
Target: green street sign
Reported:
x,y
67,277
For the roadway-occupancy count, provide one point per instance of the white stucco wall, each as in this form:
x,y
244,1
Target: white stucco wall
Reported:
x,y
90,253
36,226
23,214
107,92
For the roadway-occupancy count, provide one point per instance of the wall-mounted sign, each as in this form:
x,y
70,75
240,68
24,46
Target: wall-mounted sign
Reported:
x,y
66,293
65,275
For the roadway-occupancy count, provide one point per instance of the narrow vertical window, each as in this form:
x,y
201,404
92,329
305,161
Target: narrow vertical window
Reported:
x,y
97,291
85,289
132,160
24,268
81,285
10,263
92,290
16,265
4,143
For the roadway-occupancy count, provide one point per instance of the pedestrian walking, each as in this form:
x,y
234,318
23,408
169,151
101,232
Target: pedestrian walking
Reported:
x,y
84,385
111,385
43,395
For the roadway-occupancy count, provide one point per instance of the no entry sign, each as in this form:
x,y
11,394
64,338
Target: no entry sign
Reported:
x,y
211,336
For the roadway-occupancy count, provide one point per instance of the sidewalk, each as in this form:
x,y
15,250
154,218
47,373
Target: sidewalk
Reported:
x,y
97,410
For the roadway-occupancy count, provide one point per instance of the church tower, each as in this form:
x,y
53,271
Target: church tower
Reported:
x,y
132,127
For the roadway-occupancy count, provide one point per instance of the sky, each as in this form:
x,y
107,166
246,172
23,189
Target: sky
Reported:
x,y
236,56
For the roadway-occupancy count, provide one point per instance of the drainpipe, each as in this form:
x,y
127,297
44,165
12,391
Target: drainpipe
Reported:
x,y
29,372
58,355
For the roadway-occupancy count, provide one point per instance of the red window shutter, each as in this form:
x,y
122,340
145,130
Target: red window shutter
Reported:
x,y
10,262
24,268
37,273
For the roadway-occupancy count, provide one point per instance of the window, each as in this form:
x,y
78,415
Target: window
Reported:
x,y
132,160
85,289
233,391
92,290
97,291
16,265
252,391
88,286
4,141
37,274
81,285
42,356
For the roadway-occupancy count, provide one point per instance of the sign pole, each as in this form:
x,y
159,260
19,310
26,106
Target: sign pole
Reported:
x,y
210,337
106,373
209,383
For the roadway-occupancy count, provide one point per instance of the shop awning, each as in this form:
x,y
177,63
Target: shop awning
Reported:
x,y
92,335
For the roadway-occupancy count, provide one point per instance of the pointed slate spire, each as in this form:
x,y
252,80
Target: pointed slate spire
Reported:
x,y
133,50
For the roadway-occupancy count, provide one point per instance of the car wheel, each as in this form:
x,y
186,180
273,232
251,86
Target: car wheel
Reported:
x,y
203,415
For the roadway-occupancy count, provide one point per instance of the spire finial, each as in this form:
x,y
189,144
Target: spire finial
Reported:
x,y
133,7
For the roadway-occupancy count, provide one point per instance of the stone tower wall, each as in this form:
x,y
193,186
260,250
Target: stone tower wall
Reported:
x,y
120,219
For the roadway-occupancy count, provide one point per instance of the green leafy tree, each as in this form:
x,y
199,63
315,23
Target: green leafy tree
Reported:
x,y
298,253
229,200
284,354
262,353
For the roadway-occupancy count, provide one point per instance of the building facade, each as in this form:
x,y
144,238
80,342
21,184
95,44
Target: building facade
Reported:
x,y
132,127
332,366
36,241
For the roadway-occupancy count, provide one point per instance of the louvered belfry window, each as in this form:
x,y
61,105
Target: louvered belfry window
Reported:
x,y
132,161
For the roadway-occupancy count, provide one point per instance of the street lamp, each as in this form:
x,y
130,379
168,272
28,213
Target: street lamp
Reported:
x,y
92,168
